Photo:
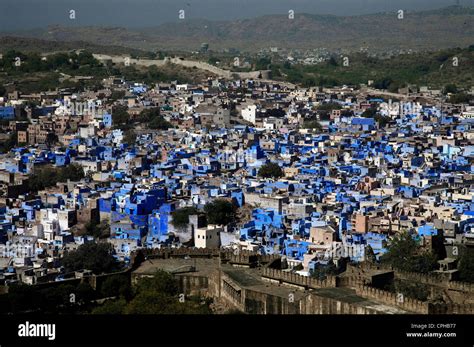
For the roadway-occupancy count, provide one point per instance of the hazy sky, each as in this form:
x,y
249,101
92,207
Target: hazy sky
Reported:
x,y
27,14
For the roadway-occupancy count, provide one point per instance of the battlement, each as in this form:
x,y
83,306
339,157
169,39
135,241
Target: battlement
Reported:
x,y
295,279
432,279
388,298
442,308
242,257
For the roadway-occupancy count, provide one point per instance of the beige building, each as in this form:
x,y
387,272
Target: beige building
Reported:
x,y
360,223
324,235
208,237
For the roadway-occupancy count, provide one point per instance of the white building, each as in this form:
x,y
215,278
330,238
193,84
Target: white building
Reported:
x,y
250,113
208,237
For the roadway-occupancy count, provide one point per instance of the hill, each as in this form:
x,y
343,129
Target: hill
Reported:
x,y
434,69
430,30
35,45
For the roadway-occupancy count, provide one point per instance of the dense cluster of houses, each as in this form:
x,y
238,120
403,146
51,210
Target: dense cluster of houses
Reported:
x,y
346,187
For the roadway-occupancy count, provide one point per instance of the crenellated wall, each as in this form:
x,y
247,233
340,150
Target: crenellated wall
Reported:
x,y
315,304
442,308
453,292
392,299
298,280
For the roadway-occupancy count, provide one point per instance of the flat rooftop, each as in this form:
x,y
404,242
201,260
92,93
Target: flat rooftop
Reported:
x,y
250,278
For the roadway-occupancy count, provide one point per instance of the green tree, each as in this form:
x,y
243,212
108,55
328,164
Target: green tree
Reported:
x,y
369,254
130,137
153,117
466,265
460,98
112,307
9,144
96,257
148,114
49,176
98,230
371,112
116,95
418,291
51,139
382,120
159,295
181,216
120,115
73,172
450,88
159,123
116,285
84,293
162,282
312,124
270,170
405,254
332,62
383,83
220,212
329,106
263,63
321,272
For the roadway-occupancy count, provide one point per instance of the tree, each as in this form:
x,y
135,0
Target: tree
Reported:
x,y
85,293
460,98
382,120
369,254
113,307
275,112
120,115
149,114
263,63
270,170
332,61
51,139
329,106
130,137
321,272
371,112
220,212
159,295
405,254
415,290
312,124
450,89
10,143
181,216
162,282
159,123
116,285
154,119
48,177
383,83
98,230
96,257
466,265
116,95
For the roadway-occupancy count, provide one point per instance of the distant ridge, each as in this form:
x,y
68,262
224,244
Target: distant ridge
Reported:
x,y
430,30
34,45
